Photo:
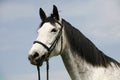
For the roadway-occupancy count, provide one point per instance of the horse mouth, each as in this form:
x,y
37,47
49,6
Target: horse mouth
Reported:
x,y
38,61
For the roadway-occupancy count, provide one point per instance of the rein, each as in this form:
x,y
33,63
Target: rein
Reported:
x,y
50,49
47,71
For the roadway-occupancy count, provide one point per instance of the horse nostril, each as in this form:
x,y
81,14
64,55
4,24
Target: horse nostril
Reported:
x,y
35,55
30,57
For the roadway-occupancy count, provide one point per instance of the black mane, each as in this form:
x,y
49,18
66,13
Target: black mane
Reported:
x,y
85,48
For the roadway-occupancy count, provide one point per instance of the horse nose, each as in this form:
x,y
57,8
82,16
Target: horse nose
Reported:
x,y
33,56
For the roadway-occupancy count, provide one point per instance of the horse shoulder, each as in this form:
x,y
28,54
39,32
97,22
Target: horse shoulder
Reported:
x,y
110,73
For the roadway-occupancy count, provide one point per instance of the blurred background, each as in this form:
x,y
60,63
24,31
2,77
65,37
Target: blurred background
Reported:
x,y
99,20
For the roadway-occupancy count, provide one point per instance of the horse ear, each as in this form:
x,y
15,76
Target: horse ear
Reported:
x,y
55,12
42,14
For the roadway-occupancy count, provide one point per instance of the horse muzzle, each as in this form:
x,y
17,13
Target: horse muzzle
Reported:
x,y
37,60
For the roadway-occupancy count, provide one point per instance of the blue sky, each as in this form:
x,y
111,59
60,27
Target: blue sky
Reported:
x,y
99,20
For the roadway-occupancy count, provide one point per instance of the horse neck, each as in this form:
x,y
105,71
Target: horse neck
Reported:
x,y
75,65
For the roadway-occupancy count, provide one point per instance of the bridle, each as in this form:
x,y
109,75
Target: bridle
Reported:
x,y
50,49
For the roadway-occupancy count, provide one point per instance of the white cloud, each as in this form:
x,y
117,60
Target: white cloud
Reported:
x,y
12,11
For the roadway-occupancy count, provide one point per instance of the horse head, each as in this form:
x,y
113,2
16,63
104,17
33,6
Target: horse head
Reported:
x,y
49,40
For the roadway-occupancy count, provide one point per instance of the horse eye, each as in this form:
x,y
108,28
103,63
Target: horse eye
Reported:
x,y
54,30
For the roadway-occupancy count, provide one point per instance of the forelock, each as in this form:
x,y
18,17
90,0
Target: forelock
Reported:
x,y
49,19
